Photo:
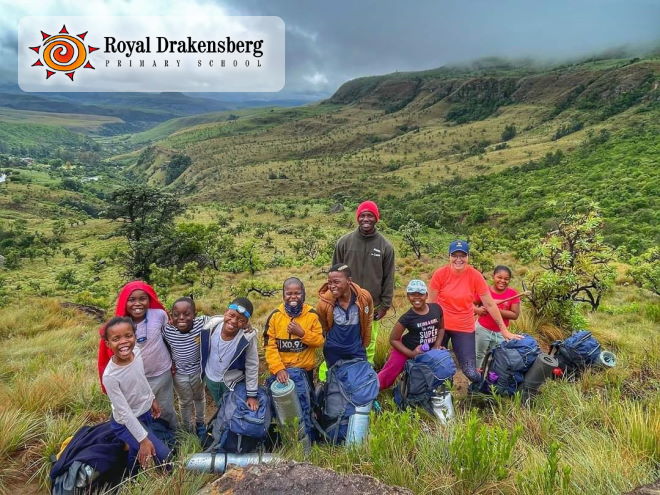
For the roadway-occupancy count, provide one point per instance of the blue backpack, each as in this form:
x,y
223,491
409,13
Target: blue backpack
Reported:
x,y
303,389
507,364
422,376
237,429
349,384
576,353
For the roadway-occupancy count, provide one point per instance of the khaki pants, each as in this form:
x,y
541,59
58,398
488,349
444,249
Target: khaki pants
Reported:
x,y
190,391
163,388
484,341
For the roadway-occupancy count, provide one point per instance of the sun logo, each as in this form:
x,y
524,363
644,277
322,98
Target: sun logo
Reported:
x,y
63,52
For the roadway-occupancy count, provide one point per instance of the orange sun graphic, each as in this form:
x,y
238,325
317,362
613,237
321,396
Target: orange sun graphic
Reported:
x,y
63,52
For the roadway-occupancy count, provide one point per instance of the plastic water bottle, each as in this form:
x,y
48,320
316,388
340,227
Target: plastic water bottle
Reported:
x,y
358,425
492,377
606,359
425,348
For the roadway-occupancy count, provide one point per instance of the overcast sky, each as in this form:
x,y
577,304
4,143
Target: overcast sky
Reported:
x,y
328,43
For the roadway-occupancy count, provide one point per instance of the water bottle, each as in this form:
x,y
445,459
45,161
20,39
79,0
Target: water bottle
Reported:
x,y
287,405
443,406
358,425
492,377
425,348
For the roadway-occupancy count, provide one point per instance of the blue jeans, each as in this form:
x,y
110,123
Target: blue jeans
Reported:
x,y
121,432
462,344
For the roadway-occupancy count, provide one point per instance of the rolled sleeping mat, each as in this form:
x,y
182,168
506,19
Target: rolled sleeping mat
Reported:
x,y
542,369
211,462
606,359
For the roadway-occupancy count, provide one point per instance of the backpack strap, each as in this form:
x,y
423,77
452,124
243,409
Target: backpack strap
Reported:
x,y
268,323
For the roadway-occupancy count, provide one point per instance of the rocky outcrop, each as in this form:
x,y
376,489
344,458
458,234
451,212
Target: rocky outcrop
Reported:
x,y
294,478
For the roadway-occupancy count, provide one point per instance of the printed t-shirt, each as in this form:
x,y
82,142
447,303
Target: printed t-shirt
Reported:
x,y
456,293
422,329
487,321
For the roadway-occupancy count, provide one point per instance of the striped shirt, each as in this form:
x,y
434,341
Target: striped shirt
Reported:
x,y
185,347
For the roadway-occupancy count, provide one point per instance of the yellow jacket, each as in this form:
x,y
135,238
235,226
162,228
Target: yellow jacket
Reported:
x,y
283,350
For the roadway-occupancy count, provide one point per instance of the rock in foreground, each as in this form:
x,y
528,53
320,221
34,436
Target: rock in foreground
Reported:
x,y
294,478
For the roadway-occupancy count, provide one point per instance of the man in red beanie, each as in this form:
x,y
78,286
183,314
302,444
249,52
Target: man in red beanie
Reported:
x,y
371,259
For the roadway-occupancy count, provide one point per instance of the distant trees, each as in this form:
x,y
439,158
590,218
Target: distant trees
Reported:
x,y
176,166
645,270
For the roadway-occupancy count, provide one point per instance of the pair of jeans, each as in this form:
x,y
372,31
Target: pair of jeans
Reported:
x,y
121,432
463,347
392,369
190,391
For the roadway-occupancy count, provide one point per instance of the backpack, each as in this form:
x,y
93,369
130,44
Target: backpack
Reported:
x,y
234,427
93,459
304,392
422,376
576,353
507,364
349,384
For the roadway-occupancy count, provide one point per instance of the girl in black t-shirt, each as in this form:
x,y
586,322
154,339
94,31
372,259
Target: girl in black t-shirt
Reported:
x,y
424,326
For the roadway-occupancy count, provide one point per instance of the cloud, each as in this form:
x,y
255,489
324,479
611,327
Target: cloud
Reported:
x,y
330,42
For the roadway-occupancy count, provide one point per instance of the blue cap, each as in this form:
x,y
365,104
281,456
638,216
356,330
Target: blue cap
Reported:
x,y
459,246
416,286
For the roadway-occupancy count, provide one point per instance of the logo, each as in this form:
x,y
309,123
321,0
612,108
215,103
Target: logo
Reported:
x,y
63,52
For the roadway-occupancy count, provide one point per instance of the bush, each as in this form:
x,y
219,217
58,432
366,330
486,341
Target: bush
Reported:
x,y
645,270
480,453
508,133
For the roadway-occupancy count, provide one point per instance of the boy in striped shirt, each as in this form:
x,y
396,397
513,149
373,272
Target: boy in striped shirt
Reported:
x,y
183,339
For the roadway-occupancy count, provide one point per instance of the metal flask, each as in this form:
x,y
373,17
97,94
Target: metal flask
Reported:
x,y
358,425
211,462
287,406
443,406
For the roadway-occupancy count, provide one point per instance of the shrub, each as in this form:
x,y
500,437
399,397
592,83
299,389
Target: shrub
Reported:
x,y
509,132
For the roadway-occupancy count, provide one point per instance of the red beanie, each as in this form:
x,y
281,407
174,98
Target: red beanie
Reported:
x,y
368,206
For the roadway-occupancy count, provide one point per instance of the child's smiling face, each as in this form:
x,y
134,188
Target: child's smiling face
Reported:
x,y
137,305
417,300
120,338
182,316
501,280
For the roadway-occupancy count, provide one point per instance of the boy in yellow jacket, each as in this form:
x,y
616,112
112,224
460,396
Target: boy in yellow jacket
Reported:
x,y
293,333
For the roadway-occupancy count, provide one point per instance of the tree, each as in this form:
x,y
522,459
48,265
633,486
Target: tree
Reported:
x,y
645,270
148,215
509,132
578,269
176,166
412,232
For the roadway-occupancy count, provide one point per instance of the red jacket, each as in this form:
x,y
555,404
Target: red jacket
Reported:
x,y
105,354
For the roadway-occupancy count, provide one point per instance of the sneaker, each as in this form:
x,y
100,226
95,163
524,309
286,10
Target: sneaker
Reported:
x,y
377,407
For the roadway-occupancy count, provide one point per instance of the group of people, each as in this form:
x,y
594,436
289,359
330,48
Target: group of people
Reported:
x,y
145,355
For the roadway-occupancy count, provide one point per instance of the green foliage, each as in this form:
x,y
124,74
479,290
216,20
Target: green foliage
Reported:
x,y
412,236
552,479
148,215
480,453
566,129
509,132
577,268
645,270
620,175
175,167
